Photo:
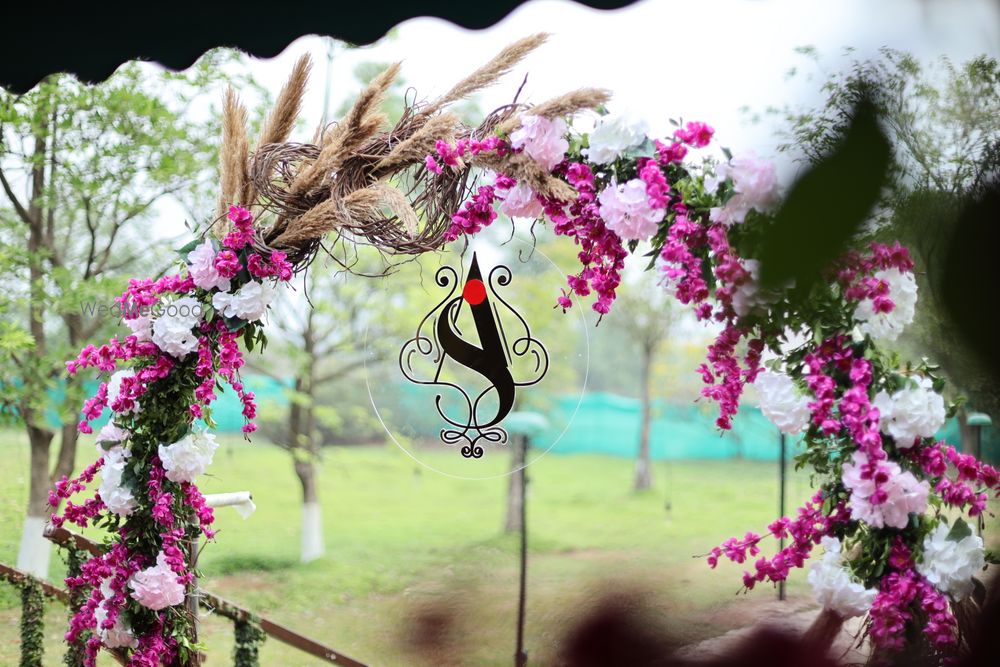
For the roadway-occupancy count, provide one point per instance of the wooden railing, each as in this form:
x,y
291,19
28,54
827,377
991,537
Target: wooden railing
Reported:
x,y
249,628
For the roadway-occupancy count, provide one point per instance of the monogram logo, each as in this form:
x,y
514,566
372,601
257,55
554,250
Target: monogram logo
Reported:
x,y
498,362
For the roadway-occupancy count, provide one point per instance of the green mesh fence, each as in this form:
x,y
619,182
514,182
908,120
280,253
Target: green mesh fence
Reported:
x,y
601,424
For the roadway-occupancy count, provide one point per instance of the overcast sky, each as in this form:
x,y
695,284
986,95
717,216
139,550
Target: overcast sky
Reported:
x,y
704,60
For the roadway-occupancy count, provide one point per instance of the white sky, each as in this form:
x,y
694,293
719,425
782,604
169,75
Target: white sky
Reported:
x,y
701,60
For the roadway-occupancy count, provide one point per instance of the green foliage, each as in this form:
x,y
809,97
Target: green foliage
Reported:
x,y
32,624
247,638
82,169
942,121
75,651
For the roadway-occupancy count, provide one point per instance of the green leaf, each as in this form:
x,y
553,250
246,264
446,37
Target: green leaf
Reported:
x,y
234,323
959,531
827,205
188,247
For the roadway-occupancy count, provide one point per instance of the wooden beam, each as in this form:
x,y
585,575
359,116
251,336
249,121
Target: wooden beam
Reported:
x,y
224,607
18,577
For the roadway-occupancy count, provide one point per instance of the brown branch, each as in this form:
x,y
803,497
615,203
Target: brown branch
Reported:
x,y
21,211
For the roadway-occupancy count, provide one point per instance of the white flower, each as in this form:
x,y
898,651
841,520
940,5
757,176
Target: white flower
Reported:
x,y
950,565
201,267
172,329
903,293
833,585
613,136
247,303
110,432
904,493
117,498
911,413
626,210
115,387
749,295
119,635
755,182
520,202
543,140
781,402
141,327
188,457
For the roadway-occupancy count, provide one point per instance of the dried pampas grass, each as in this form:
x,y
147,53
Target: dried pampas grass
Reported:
x,y
365,182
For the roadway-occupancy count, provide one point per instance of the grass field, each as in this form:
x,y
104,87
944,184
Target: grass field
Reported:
x,y
402,540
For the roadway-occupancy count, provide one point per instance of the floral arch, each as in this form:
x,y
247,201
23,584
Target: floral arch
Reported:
x,y
885,486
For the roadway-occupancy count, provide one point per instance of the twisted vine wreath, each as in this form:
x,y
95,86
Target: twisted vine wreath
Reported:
x,y
885,487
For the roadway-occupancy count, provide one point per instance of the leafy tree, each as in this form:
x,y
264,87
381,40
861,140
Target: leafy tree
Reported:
x,y
82,169
943,122
323,336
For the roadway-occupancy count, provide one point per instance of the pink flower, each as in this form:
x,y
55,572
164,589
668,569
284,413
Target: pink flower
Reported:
x,y
695,134
157,587
227,264
627,211
243,231
542,140
882,494
519,201
201,266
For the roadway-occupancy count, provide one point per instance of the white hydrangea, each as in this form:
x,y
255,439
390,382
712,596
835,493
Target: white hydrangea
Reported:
x,y
781,402
188,457
172,328
888,326
115,388
247,303
613,136
119,635
141,327
949,564
116,497
833,585
910,413
755,182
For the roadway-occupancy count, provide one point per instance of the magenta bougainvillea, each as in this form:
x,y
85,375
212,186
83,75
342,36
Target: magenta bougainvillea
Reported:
x,y
868,422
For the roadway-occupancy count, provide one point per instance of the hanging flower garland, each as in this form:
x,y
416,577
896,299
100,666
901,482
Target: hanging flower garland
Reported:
x,y
163,380
868,422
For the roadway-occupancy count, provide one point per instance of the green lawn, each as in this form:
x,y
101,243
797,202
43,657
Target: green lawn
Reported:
x,y
401,539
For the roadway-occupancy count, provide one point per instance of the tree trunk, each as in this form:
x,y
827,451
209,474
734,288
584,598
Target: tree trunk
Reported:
x,y
35,550
66,460
312,517
643,467
515,486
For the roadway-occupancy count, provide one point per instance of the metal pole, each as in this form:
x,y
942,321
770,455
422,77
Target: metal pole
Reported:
x,y
520,655
781,500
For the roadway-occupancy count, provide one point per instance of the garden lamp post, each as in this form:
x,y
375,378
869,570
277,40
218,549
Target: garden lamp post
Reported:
x,y
522,426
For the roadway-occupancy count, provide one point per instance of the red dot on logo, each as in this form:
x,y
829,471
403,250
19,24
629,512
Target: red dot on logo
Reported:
x,y
474,292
